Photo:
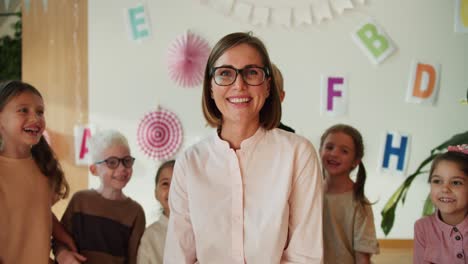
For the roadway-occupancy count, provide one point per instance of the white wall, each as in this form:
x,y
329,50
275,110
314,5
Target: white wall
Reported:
x,y
128,79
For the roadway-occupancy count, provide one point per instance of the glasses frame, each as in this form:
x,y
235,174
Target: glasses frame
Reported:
x,y
120,160
240,71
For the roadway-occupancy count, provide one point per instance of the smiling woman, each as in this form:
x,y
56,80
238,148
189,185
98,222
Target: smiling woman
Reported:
x,y
259,186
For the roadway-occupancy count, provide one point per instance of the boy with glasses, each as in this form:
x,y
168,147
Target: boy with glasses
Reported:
x,y
105,224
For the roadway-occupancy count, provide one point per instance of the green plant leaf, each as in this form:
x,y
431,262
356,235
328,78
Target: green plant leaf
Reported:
x,y
428,208
457,139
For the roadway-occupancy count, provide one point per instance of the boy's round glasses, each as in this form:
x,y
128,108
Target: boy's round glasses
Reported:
x,y
113,162
227,75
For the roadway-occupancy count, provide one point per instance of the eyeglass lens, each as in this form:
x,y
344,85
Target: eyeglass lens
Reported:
x,y
113,162
226,75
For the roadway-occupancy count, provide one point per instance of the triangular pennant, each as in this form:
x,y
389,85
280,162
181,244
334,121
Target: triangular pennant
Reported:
x,y
260,16
302,15
242,11
281,16
341,5
225,6
321,11
44,5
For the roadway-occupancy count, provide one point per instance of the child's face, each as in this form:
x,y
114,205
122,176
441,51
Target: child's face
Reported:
x,y
338,154
22,123
113,179
163,186
449,190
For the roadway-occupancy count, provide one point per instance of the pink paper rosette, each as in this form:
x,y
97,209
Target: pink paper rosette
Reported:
x,y
159,134
187,58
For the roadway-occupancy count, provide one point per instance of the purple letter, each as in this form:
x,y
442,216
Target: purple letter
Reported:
x,y
331,92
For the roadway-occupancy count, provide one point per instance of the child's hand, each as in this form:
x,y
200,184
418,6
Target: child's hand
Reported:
x,y
66,256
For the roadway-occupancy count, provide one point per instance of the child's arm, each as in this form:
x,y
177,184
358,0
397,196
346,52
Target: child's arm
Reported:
x,y
135,236
362,258
59,233
65,256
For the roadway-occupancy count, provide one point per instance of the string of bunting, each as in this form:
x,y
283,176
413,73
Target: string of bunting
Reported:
x,y
285,12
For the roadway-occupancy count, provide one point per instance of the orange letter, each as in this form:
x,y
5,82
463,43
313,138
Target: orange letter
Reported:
x,y
424,92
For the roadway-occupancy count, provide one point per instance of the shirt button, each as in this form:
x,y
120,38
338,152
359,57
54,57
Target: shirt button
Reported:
x,y
459,255
457,237
455,229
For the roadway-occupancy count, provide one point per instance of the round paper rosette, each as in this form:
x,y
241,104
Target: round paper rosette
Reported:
x,y
160,134
187,58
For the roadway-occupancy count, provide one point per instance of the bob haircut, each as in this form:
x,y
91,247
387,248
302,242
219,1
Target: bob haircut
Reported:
x,y
270,114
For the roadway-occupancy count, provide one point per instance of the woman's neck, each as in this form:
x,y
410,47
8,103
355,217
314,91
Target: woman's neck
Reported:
x,y
111,194
236,133
339,183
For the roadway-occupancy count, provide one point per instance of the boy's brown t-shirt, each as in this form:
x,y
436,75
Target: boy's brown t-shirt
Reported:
x,y
105,231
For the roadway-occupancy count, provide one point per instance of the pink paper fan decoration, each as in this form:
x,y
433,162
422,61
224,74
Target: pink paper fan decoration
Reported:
x,y
159,134
187,58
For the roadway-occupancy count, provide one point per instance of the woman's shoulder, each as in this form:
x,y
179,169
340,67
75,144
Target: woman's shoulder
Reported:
x,y
289,140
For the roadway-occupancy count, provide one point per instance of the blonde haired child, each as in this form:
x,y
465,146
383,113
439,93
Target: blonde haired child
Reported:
x,y
349,231
443,236
106,224
31,179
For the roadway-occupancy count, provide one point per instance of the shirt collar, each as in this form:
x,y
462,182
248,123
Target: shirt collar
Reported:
x,y
245,144
449,229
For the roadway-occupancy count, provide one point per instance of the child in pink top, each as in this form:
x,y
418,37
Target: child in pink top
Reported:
x,y
443,236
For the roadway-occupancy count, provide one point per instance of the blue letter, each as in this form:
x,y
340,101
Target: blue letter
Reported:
x,y
400,152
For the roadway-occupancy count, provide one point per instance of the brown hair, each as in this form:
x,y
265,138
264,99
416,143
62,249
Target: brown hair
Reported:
x,y
42,154
270,114
278,77
358,191
167,164
461,159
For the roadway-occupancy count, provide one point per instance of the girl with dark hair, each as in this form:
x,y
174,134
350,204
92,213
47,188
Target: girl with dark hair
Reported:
x,y
349,232
31,179
443,236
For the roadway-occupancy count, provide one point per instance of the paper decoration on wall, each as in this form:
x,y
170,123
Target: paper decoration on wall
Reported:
x,y
423,86
461,16
395,153
82,135
159,134
281,12
187,58
373,41
334,95
138,23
